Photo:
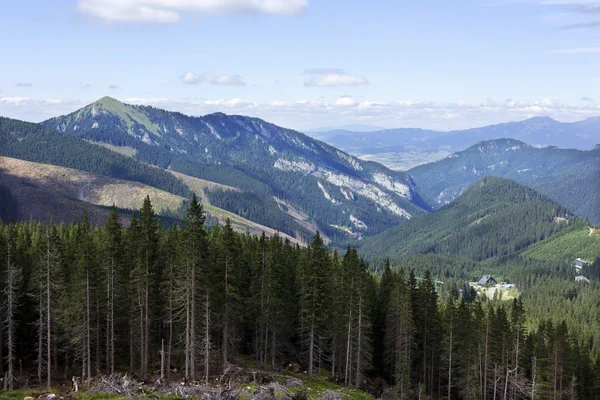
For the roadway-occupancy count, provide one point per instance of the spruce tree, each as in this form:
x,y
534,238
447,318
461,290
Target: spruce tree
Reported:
x,y
314,299
11,301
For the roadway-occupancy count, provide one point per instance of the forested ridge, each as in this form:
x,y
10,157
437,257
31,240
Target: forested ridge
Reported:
x,y
570,177
187,302
34,142
495,217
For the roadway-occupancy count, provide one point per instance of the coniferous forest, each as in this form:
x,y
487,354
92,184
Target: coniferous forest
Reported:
x,y
188,302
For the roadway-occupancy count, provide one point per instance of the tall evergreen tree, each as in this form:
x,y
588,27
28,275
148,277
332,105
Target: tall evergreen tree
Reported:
x,y
315,285
13,278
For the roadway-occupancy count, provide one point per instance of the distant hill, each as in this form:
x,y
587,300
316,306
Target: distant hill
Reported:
x,y
495,217
570,177
403,148
351,127
280,172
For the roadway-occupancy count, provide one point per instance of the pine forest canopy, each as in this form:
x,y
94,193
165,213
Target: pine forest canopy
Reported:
x,y
108,299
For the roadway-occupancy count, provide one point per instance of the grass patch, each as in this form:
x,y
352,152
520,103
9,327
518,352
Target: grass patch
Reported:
x,y
318,385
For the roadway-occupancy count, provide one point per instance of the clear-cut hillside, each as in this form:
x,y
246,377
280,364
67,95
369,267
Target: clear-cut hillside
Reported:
x,y
43,191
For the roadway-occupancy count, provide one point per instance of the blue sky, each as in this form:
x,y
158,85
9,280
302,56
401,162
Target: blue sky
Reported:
x,y
307,63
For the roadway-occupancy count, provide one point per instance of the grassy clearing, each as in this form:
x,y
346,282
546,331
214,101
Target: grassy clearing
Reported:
x,y
124,150
198,185
567,247
318,385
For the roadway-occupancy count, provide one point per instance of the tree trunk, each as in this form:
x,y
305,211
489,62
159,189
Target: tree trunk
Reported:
x,y
485,362
193,323
333,355
555,370
170,340
359,344
206,337
311,348
348,348
40,333
263,324
97,336
11,305
273,348
225,339
87,326
141,305
187,333
450,360
162,359
131,345
146,320
48,323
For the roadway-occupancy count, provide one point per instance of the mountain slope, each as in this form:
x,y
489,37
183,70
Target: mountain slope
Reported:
x,y
579,241
495,217
32,142
43,191
570,177
332,188
406,148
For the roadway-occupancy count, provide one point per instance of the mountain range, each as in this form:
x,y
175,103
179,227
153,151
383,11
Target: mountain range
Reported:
x,y
570,177
406,148
282,178
262,176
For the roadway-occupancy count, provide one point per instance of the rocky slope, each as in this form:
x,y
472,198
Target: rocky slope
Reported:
x,y
337,192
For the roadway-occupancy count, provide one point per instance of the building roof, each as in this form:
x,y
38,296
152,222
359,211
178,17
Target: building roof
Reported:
x,y
486,279
580,262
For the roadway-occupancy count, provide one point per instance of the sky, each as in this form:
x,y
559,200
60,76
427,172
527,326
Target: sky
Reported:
x,y
305,64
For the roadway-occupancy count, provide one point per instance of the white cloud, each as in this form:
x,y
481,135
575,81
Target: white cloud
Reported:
x,y
23,84
343,110
214,79
14,100
233,103
191,78
113,87
146,100
587,99
28,109
345,101
333,77
210,77
170,11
